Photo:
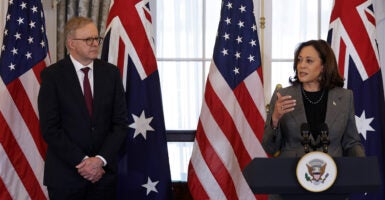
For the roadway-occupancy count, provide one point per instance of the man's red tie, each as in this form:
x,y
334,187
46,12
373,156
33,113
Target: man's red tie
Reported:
x,y
87,90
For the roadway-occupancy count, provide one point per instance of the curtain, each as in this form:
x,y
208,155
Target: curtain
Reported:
x,y
3,12
379,11
97,10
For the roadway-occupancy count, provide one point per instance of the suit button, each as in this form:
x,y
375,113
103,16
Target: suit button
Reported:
x,y
92,129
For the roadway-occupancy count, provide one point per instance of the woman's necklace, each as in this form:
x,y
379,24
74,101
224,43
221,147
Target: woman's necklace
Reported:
x,y
308,99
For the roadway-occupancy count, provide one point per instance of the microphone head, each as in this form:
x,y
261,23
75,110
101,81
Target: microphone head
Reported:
x,y
323,128
305,128
278,86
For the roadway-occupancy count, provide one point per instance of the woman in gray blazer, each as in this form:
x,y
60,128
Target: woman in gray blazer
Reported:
x,y
315,104
316,101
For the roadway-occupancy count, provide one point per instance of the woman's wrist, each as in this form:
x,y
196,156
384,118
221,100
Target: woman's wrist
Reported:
x,y
274,124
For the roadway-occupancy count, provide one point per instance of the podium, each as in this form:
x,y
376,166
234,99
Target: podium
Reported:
x,y
278,176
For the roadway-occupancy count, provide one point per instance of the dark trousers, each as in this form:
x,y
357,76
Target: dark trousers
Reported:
x,y
89,192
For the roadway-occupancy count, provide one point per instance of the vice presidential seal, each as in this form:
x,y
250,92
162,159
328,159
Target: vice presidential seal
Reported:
x,y
316,171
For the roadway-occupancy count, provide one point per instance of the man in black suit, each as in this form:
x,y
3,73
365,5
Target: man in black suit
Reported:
x,y
83,118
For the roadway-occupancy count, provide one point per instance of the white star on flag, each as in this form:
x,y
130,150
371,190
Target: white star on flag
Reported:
x,y
236,70
141,124
23,5
229,5
253,43
363,124
32,24
228,21
150,186
34,9
237,55
226,36
242,9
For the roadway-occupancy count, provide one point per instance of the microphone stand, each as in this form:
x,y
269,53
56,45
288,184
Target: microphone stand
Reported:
x,y
305,142
325,141
305,134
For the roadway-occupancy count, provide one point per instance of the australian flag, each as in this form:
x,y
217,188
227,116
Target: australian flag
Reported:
x,y
352,37
144,171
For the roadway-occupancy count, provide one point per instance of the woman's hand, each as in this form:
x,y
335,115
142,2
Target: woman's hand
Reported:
x,y
283,105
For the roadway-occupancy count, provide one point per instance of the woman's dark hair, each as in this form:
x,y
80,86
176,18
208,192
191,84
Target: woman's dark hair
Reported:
x,y
330,77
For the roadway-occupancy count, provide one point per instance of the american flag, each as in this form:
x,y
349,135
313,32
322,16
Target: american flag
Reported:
x,y
232,117
24,53
352,36
144,171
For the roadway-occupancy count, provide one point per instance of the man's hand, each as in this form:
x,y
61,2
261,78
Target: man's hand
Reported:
x,y
91,169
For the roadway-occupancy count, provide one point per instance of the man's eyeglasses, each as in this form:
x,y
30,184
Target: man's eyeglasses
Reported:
x,y
89,41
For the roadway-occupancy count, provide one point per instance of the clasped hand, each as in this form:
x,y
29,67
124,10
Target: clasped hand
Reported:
x,y
91,169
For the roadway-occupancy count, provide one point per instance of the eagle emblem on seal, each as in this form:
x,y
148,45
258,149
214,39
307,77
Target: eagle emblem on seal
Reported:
x,y
316,170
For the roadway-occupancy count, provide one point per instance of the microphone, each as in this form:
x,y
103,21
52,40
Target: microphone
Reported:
x,y
324,133
305,132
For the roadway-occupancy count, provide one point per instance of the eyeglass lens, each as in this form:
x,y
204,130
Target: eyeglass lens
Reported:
x,y
90,41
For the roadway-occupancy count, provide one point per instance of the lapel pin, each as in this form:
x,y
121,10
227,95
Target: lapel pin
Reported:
x,y
334,103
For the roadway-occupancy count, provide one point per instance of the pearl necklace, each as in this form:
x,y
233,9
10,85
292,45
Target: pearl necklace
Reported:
x,y
310,101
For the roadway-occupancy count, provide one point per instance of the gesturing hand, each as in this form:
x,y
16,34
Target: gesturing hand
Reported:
x,y
283,105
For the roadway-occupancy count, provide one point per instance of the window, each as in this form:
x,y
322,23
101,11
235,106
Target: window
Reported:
x,y
185,36
293,22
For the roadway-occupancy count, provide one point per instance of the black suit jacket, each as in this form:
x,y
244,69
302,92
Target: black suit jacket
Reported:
x,y
71,134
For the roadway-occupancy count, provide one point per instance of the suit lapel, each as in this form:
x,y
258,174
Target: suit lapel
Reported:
x,y
298,113
334,99
98,87
72,81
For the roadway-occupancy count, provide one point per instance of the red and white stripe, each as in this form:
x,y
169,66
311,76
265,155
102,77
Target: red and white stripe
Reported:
x,y
123,43
22,149
228,137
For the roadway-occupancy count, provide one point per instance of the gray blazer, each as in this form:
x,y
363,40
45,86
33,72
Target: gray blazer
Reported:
x,y
340,118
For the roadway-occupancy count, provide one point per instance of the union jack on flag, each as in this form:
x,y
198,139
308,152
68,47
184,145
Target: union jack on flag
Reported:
x,y
352,36
232,118
24,53
144,171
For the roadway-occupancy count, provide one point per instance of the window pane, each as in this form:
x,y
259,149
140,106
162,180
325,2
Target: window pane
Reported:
x,y
281,72
179,29
293,21
213,9
326,8
179,156
181,93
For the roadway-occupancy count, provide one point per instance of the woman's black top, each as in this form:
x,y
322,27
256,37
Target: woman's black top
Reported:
x,y
315,106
